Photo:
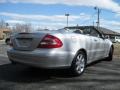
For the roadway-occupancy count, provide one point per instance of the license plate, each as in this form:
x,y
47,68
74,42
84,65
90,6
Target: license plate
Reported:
x,y
26,42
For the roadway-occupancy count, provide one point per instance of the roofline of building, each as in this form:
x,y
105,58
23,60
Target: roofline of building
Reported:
x,y
95,27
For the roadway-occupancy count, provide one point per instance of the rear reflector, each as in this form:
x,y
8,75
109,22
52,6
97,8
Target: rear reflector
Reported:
x,y
50,41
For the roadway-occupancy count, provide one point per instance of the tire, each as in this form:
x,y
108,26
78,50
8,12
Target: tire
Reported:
x,y
78,64
7,41
110,57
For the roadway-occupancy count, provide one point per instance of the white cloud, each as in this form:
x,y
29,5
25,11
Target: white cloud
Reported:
x,y
50,26
15,21
36,24
117,15
85,16
2,1
105,4
57,21
52,21
43,21
58,18
111,24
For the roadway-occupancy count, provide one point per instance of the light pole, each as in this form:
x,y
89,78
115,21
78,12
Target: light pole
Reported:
x,y
98,16
67,15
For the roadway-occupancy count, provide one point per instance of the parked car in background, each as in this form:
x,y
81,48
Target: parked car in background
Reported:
x,y
68,48
115,39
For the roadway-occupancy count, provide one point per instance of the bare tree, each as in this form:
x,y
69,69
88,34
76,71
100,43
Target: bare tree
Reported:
x,y
22,28
3,24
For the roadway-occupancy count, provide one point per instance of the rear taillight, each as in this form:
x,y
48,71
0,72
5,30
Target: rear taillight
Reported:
x,y
50,41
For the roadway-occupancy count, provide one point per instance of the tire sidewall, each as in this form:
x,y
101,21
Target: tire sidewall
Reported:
x,y
110,57
73,66
111,53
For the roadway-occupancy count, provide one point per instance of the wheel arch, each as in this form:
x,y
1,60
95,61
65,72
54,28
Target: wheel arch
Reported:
x,y
72,68
83,50
112,46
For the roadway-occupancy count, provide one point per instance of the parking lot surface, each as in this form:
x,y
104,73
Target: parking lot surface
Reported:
x,y
101,75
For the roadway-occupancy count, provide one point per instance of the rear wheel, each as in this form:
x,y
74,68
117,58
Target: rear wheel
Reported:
x,y
110,57
79,63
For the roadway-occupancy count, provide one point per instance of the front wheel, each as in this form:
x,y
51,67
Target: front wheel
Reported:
x,y
78,64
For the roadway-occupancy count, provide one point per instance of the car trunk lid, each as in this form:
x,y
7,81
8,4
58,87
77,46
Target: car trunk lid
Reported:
x,y
27,41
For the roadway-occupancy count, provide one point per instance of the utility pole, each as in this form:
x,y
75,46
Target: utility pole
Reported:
x,y
98,17
93,23
67,15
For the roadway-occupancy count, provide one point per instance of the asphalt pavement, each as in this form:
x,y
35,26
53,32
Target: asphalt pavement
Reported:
x,y
102,75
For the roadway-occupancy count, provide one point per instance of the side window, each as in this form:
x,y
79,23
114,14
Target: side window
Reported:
x,y
79,31
86,31
94,33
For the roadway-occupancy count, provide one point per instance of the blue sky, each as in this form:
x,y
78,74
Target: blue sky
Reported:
x,y
51,13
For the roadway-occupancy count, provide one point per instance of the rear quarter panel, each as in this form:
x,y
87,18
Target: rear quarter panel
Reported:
x,y
73,42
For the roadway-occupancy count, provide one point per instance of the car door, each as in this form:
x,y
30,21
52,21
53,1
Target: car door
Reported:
x,y
91,43
97,45
101,51
106,47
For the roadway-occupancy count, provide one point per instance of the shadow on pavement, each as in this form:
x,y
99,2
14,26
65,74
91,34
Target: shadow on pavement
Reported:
x,y
19,73
25,74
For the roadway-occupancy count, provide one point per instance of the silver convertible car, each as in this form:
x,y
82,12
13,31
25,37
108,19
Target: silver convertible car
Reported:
x,y
68,48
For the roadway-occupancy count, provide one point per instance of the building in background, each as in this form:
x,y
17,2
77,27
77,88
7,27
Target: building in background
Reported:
x,y
112,35
4,33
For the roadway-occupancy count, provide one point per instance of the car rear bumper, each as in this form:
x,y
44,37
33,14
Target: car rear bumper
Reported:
x,y
42,58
